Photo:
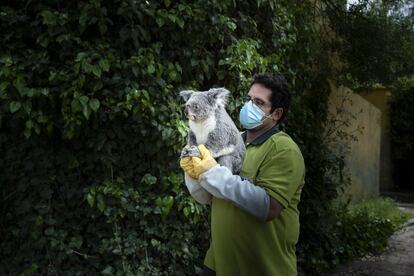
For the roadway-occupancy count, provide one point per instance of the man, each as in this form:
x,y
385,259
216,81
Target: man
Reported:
x,y
254,216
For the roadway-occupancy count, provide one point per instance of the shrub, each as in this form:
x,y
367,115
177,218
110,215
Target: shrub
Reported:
x,y
365,227
361,234
383,207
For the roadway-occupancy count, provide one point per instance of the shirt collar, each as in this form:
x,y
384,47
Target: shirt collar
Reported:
x,y
263,137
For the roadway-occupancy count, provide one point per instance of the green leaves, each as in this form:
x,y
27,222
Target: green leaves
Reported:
x,y
91,196
53,18
150,69
148,179
84,100
84,104
19,84
164,204
182,128
164,16
104,64
94,104
95,70
14,106
49,18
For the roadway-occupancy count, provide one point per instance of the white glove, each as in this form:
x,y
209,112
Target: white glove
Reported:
x,y
221,183
196,191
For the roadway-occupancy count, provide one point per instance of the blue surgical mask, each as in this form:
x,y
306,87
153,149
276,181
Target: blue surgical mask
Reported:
x,y
251,115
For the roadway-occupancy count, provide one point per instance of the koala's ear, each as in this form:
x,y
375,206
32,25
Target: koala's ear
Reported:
x,y
186,94
219,96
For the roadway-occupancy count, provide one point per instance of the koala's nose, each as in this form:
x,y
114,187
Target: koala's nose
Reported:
x,y
186,110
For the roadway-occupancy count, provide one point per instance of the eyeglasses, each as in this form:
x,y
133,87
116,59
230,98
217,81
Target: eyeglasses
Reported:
x,y
256,101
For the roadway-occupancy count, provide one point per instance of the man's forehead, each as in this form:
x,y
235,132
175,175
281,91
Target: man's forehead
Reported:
x,y
259,91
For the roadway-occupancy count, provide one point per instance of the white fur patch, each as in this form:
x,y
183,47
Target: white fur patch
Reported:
x,y
221,102
224,151
202,129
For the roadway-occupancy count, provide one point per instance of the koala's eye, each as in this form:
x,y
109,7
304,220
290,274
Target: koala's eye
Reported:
x,y
195,106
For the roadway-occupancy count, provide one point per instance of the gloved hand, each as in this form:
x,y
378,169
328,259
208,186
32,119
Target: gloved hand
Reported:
x,y
186,163
205,163
195,166
220,182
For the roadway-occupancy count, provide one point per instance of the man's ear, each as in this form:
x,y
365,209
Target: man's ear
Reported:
x,y
186,94
277,114
219,96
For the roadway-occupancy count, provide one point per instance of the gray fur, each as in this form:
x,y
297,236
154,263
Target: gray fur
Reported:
x,y
212,126
186,94
191,151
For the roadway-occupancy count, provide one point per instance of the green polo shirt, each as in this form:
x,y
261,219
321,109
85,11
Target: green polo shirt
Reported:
x,y
241,244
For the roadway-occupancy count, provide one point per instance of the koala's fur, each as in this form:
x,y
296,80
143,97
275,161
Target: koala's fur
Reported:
x,y
212,126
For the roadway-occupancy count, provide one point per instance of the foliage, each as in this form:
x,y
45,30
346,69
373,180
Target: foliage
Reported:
x,y
359,229
383,207
92,125
361,234
366,226
377,40
402,133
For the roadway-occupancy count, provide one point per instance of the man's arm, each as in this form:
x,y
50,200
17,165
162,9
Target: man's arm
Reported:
x,y
196,191
274,209
221,183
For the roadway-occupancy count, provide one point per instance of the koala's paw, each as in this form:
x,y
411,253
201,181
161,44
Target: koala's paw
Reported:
x,y
192,151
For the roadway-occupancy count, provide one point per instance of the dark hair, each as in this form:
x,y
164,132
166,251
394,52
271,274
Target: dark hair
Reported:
x,y
281,96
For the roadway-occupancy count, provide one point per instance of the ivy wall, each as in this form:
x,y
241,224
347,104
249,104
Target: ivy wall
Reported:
x,y
91,126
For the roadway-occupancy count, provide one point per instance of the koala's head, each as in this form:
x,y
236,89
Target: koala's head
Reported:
x,y
202,105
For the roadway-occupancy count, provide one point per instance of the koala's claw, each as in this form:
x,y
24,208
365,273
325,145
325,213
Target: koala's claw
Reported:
x,y
192,151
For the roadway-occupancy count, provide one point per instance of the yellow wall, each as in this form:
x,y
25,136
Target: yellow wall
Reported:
x,y
363,160
380,98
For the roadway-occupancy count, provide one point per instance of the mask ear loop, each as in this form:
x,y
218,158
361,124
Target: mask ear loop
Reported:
x,y
268,116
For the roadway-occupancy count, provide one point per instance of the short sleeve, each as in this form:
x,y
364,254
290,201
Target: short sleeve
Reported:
x,y
282,174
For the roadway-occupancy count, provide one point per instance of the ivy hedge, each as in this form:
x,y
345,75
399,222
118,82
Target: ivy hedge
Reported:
x,y
91,126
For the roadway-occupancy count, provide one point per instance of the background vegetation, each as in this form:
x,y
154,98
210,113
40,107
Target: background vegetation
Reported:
x,y
91,127
377,49
364,227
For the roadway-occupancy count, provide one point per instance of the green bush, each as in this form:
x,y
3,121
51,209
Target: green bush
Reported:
x,y
364,227
383,207
361,234
354,230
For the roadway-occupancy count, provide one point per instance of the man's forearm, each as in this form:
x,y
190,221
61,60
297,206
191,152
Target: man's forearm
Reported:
x,y
221,183
274,209
196,191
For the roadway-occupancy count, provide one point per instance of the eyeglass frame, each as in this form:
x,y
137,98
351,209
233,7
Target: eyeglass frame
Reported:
x,y
260,104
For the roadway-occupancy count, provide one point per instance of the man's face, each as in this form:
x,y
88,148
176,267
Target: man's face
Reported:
x,y
260,96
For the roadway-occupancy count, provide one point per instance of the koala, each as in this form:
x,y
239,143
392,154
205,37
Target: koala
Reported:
x,y
212,126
